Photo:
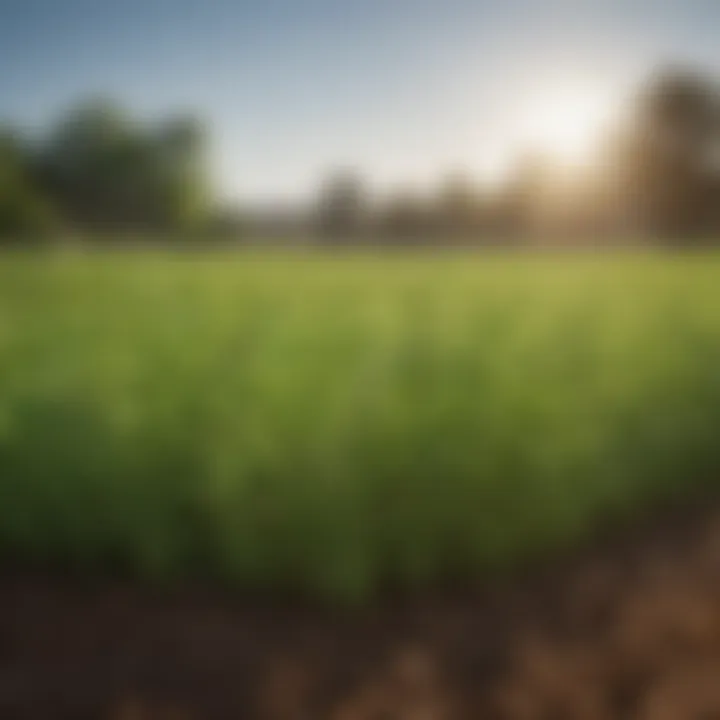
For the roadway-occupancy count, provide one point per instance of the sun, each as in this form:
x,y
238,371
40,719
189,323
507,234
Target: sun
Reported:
x,y
564,122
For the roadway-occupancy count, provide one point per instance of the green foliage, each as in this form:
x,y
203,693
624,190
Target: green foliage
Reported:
x,y
333,424
102,170
23,210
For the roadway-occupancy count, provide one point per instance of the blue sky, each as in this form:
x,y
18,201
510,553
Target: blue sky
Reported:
x,y
401,89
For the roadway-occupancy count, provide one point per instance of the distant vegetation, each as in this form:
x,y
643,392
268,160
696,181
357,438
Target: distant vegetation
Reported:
x,y
655,176
335,424
100,172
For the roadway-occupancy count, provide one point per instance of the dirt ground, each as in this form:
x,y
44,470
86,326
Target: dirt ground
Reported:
x,y
623,629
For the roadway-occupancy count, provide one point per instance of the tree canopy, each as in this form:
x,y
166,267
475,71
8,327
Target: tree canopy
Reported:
x,y
97,169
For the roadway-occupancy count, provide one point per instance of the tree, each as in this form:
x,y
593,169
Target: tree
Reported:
x,y
667,156
23,210
107,171
176,174
84,161
459,208
342,207
520,204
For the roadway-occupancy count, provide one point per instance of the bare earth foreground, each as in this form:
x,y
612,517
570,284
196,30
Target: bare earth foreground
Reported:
x,y
626,629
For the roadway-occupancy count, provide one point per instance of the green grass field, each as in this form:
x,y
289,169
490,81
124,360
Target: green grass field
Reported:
x,y
330,424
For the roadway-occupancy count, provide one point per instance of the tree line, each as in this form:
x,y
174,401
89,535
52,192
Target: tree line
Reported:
x,y
101,172
656,175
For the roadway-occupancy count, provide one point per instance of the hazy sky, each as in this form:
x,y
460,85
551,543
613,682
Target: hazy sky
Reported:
x,y
402,89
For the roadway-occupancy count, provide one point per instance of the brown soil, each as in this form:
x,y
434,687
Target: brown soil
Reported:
x,y
625,630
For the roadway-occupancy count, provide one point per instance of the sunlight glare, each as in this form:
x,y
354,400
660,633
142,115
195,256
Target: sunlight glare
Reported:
x,y
564,123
